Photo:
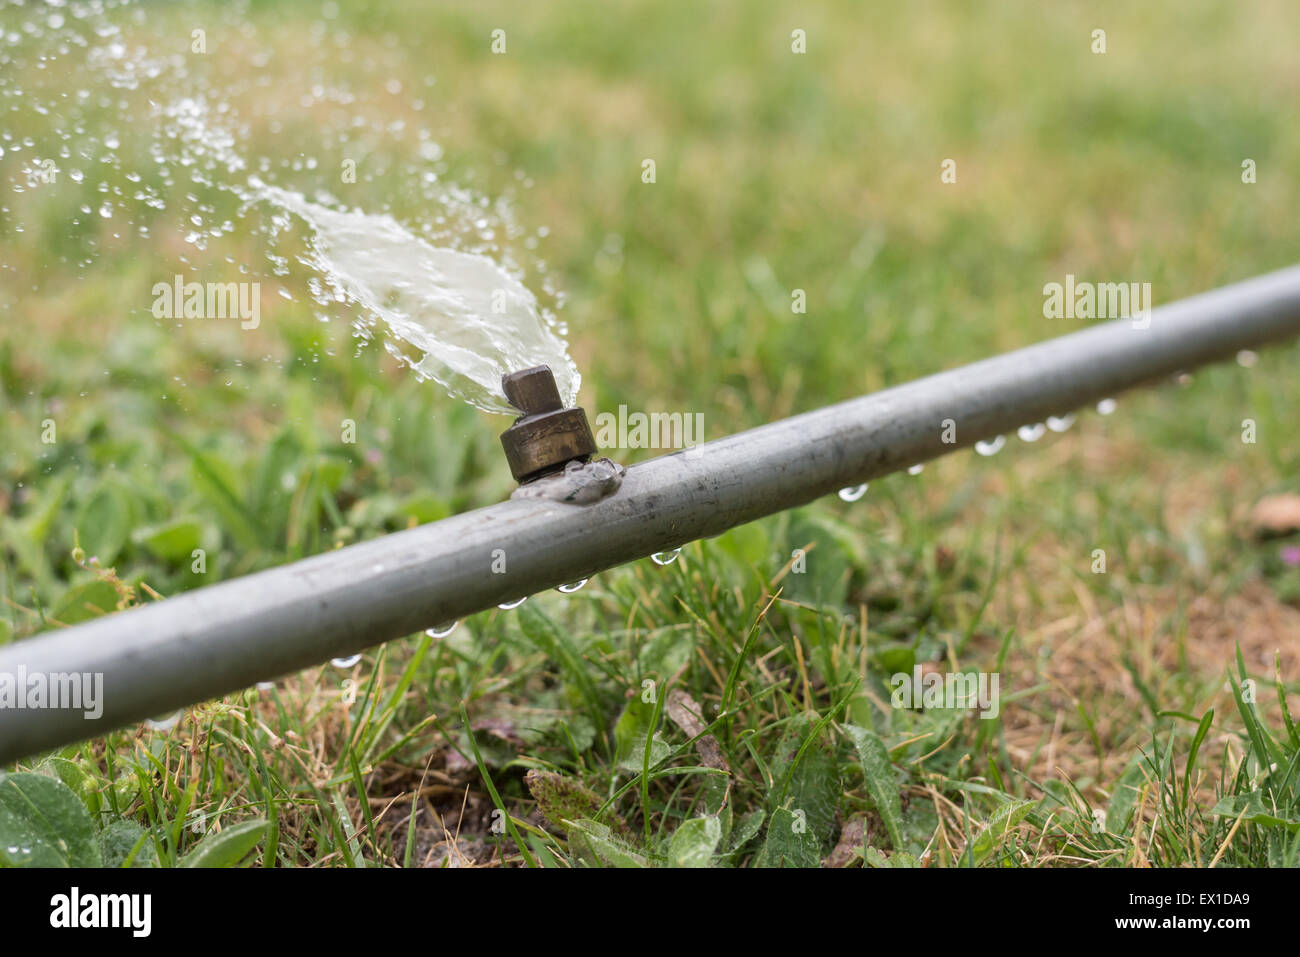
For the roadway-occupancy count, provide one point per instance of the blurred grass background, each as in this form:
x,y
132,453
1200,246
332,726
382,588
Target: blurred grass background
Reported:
x,y
775,171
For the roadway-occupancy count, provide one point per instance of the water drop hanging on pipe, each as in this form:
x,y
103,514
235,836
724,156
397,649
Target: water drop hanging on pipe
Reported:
x,y
853,492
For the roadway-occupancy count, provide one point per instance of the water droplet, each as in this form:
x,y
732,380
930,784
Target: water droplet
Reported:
x,y
916,469
507,605
1061,423
265,685
570,588
1031,433
1107,406
992,446
1183,378
443,630
666,558
1246,359
853,492
165,722
343,664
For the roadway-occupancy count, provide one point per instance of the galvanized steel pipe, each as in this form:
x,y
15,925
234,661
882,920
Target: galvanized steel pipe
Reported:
x,y
226,637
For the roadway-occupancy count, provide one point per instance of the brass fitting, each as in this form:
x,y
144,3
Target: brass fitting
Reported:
x,y
547,435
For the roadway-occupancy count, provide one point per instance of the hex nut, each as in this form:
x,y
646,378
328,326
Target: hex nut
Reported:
x,y
547,435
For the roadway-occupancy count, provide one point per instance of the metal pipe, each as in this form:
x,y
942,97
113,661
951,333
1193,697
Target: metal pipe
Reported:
x,y
226,637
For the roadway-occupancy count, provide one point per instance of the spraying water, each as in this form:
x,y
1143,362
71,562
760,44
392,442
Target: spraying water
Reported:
x,y
470,321
165,144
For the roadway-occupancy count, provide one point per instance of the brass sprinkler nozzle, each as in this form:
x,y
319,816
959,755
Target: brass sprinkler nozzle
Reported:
x,y
547,435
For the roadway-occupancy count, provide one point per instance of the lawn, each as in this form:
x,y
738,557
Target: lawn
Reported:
x,y
731,707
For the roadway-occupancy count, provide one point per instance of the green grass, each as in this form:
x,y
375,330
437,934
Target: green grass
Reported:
x,y
725,709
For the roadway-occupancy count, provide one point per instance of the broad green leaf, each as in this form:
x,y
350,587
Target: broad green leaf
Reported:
x,y
227,848
747,829
43,824
630,733
85,601
1252,809
1231,805
601,843
103,523
331,472
882,784
825,579
790,842
807,779
172,542
634,760
749,543
82,784
1000,825
1119,811
126,839
695,841
897,661
1272,820
665,651
898,859
423,507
